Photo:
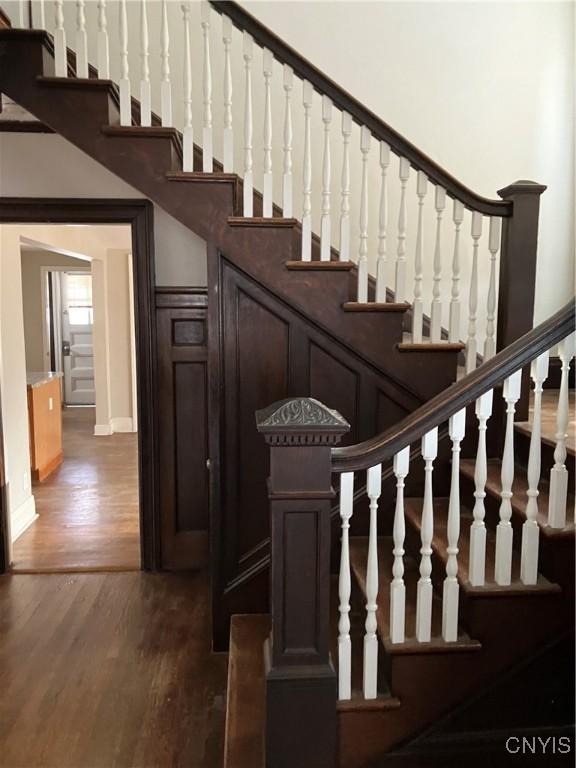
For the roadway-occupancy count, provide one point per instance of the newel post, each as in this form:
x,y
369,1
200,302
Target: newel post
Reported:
x,y
518,271
301,720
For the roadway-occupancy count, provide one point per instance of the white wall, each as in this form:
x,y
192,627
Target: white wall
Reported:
x,y
46,165
21,507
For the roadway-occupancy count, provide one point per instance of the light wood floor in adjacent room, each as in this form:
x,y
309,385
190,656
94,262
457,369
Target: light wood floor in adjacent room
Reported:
x,y
88,508
109,670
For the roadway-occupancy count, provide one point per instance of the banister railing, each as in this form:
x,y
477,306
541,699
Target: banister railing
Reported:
x,y
361,115
303,434
314,150
464,392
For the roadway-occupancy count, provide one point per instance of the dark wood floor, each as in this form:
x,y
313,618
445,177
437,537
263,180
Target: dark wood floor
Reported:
x,y
88,508
109,670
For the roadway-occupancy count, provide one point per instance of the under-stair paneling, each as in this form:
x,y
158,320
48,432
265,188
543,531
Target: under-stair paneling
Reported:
x,y
267,351
183,426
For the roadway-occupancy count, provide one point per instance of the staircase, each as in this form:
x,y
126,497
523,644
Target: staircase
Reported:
x,y
442,588
484,614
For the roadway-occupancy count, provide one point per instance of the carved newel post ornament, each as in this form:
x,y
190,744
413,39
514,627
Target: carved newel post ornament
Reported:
x,y
300,679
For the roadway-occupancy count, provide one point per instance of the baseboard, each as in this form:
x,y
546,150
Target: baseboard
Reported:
x,y
121,424
23,517
102,430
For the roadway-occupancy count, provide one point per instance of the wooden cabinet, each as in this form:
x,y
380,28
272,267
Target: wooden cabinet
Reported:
x,y
45,423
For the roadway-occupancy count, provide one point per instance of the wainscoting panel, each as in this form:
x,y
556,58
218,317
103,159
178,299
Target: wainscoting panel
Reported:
x,y
183,426
267,351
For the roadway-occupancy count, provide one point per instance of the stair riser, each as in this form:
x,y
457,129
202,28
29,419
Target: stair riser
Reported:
x,y
85,111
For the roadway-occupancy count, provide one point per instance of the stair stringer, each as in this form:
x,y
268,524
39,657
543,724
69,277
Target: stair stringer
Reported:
x,y
144,158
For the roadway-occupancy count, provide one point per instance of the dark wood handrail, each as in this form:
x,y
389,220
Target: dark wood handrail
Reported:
x,y
360,114
459,395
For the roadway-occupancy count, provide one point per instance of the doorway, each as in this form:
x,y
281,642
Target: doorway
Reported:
x,y
72,318
118,454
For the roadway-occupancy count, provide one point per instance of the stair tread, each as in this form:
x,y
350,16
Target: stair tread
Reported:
x,y
155,131
358,559
413,510
201,176
75,82
526,428
355,306
321,265
260,221
519,498
246,692
427,346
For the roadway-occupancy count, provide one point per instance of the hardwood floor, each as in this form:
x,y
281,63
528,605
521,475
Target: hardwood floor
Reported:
x,y
88,508
109,670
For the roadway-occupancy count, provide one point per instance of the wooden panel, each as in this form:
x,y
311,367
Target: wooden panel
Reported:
x,y
183,428
256,342
189,332
190,381
337,386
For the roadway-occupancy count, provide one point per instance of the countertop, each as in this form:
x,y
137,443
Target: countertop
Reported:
x,y
39,378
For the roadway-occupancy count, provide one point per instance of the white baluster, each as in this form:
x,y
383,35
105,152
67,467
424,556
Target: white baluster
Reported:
x,y
60,50
22,14
345,189
102,42
374,488
531,529
382,225
124,83
457,218
307,177
436,314
493,246
472,345
417,308
287,207
188,132
363,249
477,564
559,474
397,587
165,85
424,588
503,565
344,589
450,593
268,183
247,51
41,15
404,173
145,91
228,135
81,40
207,153
325,225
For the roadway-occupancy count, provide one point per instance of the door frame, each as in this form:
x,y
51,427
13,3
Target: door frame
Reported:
x,y
139,214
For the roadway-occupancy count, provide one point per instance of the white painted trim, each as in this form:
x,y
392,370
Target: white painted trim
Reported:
x,y
23,517
102,430
115,425
121,424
